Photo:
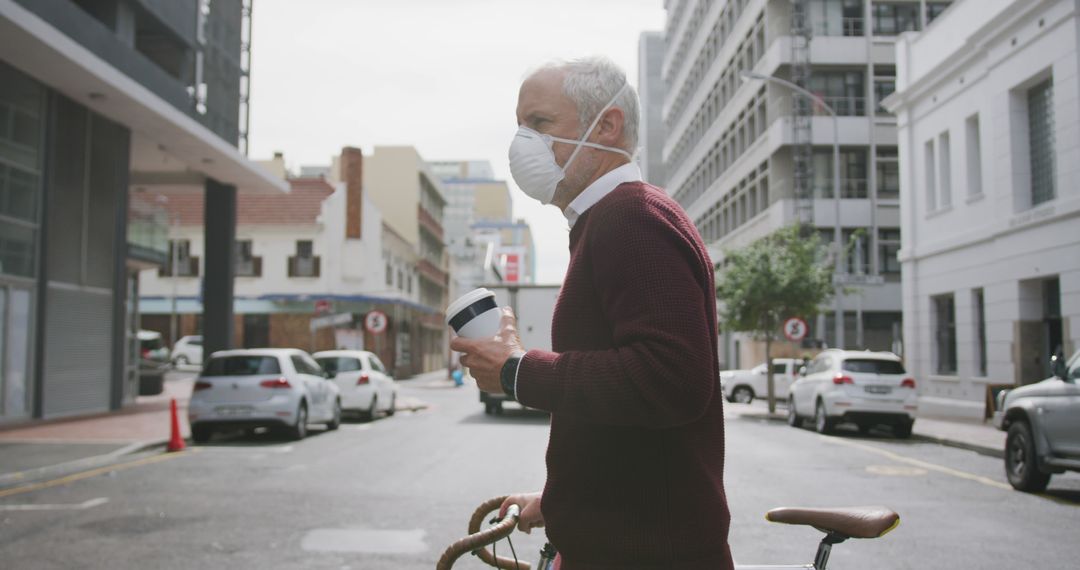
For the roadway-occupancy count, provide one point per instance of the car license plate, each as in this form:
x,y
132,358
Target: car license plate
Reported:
x,y
877,389
234,410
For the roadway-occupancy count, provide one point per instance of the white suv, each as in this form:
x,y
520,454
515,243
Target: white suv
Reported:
x,y
862,387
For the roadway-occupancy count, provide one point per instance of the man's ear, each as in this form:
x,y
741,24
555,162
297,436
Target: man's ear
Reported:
x,y
609,131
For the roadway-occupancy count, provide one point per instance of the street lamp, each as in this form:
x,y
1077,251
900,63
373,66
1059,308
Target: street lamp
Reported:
x,y
838,305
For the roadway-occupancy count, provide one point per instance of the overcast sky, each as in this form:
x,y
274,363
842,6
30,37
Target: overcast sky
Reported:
x,y
440,75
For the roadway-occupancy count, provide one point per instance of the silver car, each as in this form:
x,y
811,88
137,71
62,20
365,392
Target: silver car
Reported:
x,y
1043,422
282,388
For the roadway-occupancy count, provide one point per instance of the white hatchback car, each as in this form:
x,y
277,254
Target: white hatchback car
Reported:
x,y
365,385
250,388
187,350
863,387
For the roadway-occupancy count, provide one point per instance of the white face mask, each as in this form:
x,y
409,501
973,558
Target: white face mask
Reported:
x,y
532,160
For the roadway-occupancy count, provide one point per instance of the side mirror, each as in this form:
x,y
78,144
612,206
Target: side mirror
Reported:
x,y
801,371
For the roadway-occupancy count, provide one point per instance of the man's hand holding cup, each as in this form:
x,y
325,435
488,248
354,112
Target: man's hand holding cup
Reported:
x,y
486,336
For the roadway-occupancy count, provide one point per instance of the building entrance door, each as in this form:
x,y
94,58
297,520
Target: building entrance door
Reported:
x,y
16,332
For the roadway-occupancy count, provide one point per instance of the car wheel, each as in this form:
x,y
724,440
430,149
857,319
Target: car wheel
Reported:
x,y
903,429
368,415
299,431
1021,464
793,418
489,409
335,421
497,407
742,395
393,406
823,423
201,434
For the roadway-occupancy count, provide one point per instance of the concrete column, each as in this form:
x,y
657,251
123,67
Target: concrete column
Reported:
x,y
219,264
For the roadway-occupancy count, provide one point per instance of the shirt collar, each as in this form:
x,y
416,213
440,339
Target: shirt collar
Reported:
x,y
629,172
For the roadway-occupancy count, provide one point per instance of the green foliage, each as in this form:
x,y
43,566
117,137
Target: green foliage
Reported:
x,y
779,276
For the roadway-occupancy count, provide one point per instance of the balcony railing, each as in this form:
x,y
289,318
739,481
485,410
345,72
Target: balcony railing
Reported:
x,y
853,188
846,27
429,223
303,266
846,106
430,271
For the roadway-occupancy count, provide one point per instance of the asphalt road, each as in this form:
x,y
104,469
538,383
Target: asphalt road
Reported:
x,y
391,494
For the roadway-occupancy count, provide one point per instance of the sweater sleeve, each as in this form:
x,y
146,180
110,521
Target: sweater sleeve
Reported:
x,y
652,290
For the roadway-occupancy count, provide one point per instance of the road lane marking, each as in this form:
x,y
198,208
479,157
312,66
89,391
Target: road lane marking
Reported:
x,y
919,463
896,470
71,507
87,474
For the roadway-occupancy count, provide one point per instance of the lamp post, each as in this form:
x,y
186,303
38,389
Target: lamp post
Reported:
x,y
838,305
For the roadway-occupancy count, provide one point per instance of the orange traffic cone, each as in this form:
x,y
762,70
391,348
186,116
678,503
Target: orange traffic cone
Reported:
x,y
176,443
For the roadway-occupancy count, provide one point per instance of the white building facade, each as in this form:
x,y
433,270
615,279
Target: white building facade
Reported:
x,y
744,158
988,104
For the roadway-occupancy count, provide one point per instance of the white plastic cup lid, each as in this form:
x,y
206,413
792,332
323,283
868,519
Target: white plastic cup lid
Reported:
x,y
465,301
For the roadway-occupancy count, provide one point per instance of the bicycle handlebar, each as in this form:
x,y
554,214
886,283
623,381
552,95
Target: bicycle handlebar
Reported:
x,y
478,540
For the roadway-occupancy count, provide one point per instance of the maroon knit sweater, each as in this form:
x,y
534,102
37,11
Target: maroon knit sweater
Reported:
x,y
636,456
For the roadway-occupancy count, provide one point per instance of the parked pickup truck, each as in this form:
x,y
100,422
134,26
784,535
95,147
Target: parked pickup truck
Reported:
x,y
742,386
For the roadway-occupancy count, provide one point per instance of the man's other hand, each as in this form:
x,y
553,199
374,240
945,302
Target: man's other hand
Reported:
x,y
530,516
485,357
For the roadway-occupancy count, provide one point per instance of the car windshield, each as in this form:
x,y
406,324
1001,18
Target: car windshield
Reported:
x,y
241,366
873,366
335,364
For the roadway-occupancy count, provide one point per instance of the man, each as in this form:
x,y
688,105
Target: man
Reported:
x,y
636,454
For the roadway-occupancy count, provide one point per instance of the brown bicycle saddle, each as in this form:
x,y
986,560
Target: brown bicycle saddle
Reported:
x,y
854,522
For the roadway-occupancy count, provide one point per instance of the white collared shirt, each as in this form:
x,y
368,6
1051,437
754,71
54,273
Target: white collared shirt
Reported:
x,y
603,186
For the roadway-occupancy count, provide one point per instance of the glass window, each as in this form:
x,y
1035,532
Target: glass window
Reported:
x,y
873,366
888,173
21,123
889,247
934,9
304,248
852,173
893,19
945,170
883,87
1041,133
242,366
844,91
944,307
931,175
335,364
376,364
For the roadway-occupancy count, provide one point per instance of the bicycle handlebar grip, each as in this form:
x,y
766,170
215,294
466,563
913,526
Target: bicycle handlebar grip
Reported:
x,y
477,539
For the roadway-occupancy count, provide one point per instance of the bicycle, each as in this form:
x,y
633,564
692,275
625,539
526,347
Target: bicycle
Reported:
x,y
838,524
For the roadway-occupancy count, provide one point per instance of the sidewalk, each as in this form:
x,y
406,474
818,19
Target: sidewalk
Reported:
x,y
975,436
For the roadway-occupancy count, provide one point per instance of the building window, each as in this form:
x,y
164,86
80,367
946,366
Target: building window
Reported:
x,y
892,19
888,173
400,280
931,176
247,265
852,173
944,334
884,85
187,265
974,156
305,263
844,91
858,257
979,310
888,248
22,120
837,17
934,9
1041,141
944,170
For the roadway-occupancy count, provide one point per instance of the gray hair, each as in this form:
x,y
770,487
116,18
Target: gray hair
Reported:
x,y
590,82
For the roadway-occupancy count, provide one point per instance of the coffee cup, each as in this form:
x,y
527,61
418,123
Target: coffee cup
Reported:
x,y
475,314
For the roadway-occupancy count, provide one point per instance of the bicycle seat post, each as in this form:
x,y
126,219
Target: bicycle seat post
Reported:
x,y
825,548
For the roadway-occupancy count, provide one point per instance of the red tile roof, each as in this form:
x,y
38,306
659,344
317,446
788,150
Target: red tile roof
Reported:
x,y
299,207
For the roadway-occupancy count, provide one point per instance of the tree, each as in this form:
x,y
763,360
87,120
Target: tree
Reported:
x,y
779,276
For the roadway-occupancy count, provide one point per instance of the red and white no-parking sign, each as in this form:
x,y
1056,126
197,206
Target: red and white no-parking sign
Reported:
x,y
795,329
375,322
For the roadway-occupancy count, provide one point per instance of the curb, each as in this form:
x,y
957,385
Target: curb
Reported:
x,y
29,476
977,448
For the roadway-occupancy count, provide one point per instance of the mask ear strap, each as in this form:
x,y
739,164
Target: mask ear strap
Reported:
x,y
583,141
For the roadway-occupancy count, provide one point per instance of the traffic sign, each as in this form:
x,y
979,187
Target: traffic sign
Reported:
x,y
795,329
322,306
375,322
